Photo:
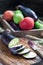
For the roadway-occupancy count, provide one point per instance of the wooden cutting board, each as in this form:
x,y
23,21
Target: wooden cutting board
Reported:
x,y
9,59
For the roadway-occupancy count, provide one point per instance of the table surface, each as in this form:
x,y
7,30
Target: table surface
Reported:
x,y
8,58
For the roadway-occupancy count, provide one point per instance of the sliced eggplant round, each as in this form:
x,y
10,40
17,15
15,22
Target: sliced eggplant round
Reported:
x,y
30,55
16,46
14,51
24,51
20,49
13,42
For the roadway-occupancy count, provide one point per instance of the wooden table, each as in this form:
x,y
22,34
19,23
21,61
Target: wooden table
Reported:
x,y
8,58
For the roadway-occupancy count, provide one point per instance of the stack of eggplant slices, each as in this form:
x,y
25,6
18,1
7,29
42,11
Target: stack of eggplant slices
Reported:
x,y
19,49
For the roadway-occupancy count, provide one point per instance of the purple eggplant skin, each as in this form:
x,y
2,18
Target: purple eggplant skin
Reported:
x,y
27,12
15,26
7,37
15,51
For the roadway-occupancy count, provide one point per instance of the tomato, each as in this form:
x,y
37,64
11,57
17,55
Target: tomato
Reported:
x,y
8,15
27,23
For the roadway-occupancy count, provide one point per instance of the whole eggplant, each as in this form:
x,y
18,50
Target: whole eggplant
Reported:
x,y
27,12
6,37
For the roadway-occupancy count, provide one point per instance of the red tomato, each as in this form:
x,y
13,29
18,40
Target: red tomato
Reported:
x,y
27,23
8,15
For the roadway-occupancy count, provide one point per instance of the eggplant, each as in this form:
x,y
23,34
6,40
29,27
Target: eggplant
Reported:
x,y
30,13
13,42
25,51
15,51
27,12
30,55
6,37
16,46
20,49
15,26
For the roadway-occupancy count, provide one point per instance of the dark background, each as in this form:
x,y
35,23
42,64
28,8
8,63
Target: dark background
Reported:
x,y
36,5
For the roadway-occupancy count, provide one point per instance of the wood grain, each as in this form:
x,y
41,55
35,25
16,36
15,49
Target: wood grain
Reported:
x,y
9,59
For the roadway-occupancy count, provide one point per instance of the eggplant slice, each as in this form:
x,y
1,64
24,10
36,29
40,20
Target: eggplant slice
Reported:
x,y
25,51
30,55
14,51
17,47
13,42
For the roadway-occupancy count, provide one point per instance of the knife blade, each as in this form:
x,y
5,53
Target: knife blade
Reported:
x,y
37,49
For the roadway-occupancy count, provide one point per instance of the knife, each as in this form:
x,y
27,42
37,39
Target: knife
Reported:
x,y
37,49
